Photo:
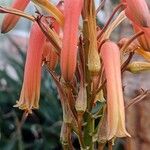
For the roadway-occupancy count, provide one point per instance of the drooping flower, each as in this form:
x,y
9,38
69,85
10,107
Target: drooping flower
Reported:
x,y
49,55
10,20
138,12
49,51
115,105
30,93
68,58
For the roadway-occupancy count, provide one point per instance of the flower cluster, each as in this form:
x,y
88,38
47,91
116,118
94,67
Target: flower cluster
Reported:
x,y
91,64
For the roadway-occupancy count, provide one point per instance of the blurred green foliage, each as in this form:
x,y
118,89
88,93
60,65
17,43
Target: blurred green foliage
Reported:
x,y
42,128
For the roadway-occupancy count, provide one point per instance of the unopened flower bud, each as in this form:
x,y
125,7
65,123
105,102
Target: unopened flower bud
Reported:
x,y
137,67
93,55
81,102
94,61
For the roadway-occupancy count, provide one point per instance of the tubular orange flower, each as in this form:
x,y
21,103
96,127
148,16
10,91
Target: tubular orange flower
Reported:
x,y
50,55
49,51
138,12
72,10
29,98
10,20
115,105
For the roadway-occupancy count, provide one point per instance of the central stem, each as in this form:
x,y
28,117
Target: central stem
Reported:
x,y
88,119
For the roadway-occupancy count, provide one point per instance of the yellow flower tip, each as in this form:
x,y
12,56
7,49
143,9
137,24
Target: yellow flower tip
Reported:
x,y
143,53
120,132
25,107
26,102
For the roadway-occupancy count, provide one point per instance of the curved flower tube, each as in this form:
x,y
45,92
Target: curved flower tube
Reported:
x,y
115,105
30,93
49,51
68,58
49,55
138,12
10,20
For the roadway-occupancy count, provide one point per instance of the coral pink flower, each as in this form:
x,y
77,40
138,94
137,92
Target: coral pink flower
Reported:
x,y
29,98
115,105
50,55
138,12
11,20
49,51
68,58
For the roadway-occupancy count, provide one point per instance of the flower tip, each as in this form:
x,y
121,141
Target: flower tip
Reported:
x,y
10,20
4,29
25,107
7,24
121,132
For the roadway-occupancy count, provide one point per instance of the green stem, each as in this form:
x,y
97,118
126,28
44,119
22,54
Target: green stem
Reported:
x,y
88,131
89,121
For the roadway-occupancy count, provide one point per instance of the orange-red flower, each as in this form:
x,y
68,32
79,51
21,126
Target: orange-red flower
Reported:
x,y
49,51
30,93
115,105
49,55
72,10
138,12
10,20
